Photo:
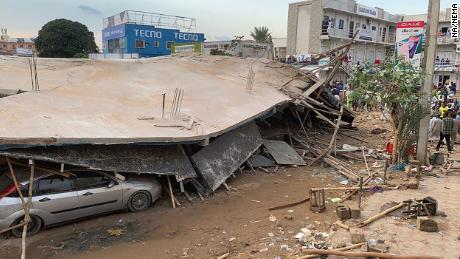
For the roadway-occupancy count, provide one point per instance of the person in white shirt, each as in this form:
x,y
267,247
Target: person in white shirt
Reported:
x,y
434,129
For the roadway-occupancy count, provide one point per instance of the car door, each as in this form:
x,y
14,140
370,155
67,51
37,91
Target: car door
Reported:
x,y
56,199
97,193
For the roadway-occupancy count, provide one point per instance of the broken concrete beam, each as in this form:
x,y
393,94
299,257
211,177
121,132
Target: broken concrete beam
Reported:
x,y
343,212
355,212
357,235
427,224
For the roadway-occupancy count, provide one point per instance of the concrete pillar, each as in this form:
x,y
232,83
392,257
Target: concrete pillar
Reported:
x,y
430,55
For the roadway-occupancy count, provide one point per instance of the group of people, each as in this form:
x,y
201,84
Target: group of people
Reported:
x,y
444,92
445,116
338,89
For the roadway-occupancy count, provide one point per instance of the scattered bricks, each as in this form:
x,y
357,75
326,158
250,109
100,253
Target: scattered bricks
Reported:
x,y
343,212
427,224
357,235
355,212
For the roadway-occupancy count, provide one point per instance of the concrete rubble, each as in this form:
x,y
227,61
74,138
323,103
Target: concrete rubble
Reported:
x,y
201,108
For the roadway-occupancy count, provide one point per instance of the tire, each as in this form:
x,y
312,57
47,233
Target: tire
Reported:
x,y
139,201
34,226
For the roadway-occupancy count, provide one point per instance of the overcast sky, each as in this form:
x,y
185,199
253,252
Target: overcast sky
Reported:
x,y
218,19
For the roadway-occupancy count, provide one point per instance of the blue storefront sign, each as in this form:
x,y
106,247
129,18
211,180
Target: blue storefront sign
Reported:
x,y
113,32
146,40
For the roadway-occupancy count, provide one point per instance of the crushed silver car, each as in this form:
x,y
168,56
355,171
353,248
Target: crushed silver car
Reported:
x,y
75,194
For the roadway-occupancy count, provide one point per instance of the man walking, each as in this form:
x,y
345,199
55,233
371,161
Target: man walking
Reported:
x,y
455,129
446,131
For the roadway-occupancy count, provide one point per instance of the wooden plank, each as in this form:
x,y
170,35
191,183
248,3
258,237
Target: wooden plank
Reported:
x,y
336,130
381,214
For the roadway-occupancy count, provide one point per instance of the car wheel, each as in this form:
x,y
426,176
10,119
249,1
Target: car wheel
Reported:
x,y
139,201
32,228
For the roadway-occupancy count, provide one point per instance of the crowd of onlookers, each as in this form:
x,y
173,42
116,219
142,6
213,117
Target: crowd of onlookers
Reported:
x,y
445,116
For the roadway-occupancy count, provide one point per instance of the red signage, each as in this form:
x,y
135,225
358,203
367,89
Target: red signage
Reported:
x,y
411,24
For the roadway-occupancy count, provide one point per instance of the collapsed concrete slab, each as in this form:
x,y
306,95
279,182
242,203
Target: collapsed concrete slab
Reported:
x,y
105,102
217,161
140,159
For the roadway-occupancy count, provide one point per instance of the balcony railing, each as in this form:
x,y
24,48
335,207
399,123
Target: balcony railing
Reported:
x,y
388,38
446,39
446,65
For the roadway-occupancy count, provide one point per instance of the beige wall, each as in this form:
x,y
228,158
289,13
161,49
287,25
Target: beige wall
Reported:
x,y
304,27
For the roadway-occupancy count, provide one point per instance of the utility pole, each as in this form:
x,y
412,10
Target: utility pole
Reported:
x,y
430,54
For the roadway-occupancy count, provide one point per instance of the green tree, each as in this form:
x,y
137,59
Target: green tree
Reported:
x,y
261,34
396,88
63,38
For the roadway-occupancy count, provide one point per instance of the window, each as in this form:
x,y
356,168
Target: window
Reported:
x,y
374,28
140,44
169,44
332,22
91,180
156,44
54,184
341,24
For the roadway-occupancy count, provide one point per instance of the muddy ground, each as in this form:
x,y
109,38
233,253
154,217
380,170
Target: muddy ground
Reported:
x,y
238,222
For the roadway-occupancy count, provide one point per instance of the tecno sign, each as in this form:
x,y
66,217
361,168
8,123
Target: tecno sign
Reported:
x,y
412,24
186,36
148,33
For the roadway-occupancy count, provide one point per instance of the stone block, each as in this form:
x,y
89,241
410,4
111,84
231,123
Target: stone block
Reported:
x,y
343,212
357,235
355,212
427,224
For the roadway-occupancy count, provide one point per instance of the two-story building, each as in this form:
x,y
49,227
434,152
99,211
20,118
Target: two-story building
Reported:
x,y
315,26
147,34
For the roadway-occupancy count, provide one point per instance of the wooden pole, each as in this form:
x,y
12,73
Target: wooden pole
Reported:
x,y
338,249
385,169
27,209
340,224
336,130
365,254
360,197
171,192
368,179
365,161
13,176
381,214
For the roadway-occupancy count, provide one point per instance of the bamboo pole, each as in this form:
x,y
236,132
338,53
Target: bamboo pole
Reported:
x,y
365,161
338,249
381,214
27,210
332,144
171,192
368,179
365,254
340,224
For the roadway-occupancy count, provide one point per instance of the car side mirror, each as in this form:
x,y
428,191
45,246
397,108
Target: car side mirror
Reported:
x,y
111,184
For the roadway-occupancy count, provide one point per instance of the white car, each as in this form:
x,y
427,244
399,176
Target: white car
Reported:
x,y
82,193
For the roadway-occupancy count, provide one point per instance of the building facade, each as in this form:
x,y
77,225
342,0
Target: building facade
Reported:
x,y
15,46
243,48
147,34
315,26
279,49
